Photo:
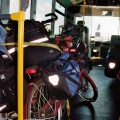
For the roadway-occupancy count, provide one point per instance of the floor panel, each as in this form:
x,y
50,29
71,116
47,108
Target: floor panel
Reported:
x,y
106,107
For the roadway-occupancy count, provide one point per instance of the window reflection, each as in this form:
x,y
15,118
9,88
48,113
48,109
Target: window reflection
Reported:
x,y
60,20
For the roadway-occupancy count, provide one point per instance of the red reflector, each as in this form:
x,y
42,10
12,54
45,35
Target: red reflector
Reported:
x,y
65,49
30,71
73,50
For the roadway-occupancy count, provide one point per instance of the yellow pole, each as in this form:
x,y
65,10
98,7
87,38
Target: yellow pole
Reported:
x,y
68,108
19,7
20,17
84,5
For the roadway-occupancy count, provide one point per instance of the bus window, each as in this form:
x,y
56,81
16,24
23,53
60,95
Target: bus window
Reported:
x,y
60,20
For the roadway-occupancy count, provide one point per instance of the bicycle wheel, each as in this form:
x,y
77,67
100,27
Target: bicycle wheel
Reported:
x,y
39,104
88,90
86,68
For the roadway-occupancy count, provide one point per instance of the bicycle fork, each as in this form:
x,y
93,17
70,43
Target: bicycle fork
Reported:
x,y
51,102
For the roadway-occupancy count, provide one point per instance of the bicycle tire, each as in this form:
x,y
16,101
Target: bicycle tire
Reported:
x,y
37,97
86,68
88,90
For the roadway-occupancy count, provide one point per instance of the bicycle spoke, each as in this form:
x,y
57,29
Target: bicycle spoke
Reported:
x,y
41,106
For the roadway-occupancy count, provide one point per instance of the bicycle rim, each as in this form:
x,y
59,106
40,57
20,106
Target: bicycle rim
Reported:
x,y
38,105
88,90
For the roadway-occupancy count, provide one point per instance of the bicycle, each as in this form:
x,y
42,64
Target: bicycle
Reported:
x,y
40,105
88,90
76,47
70,41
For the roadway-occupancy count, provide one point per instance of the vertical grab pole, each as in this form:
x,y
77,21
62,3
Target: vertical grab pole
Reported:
x,y
20,17
68,108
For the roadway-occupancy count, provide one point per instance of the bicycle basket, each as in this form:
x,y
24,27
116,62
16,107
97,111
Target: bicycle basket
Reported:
x,y
62,80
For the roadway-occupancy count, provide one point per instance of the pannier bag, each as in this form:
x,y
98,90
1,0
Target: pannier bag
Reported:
x,y
62,78
8,84
41,49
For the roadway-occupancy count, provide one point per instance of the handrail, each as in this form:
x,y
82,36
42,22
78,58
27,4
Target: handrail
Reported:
x,y
20,17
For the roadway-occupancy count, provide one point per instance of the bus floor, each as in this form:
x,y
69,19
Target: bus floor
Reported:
x,y
107,105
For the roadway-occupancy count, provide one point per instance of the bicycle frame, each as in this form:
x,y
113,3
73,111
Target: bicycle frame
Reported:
x,y
57,106
50,103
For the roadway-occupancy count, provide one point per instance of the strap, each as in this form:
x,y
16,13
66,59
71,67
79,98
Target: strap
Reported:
x,y
74,68
70,78
34,44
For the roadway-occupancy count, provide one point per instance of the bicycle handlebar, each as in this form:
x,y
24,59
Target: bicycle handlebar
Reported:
x,y
50,20
47,21
52,14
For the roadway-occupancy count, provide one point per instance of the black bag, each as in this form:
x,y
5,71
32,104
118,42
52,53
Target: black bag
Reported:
x,y
8,81
8,84
66,84
115,51
42,51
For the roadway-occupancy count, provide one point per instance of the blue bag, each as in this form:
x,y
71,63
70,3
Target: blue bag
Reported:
x,y
67,81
